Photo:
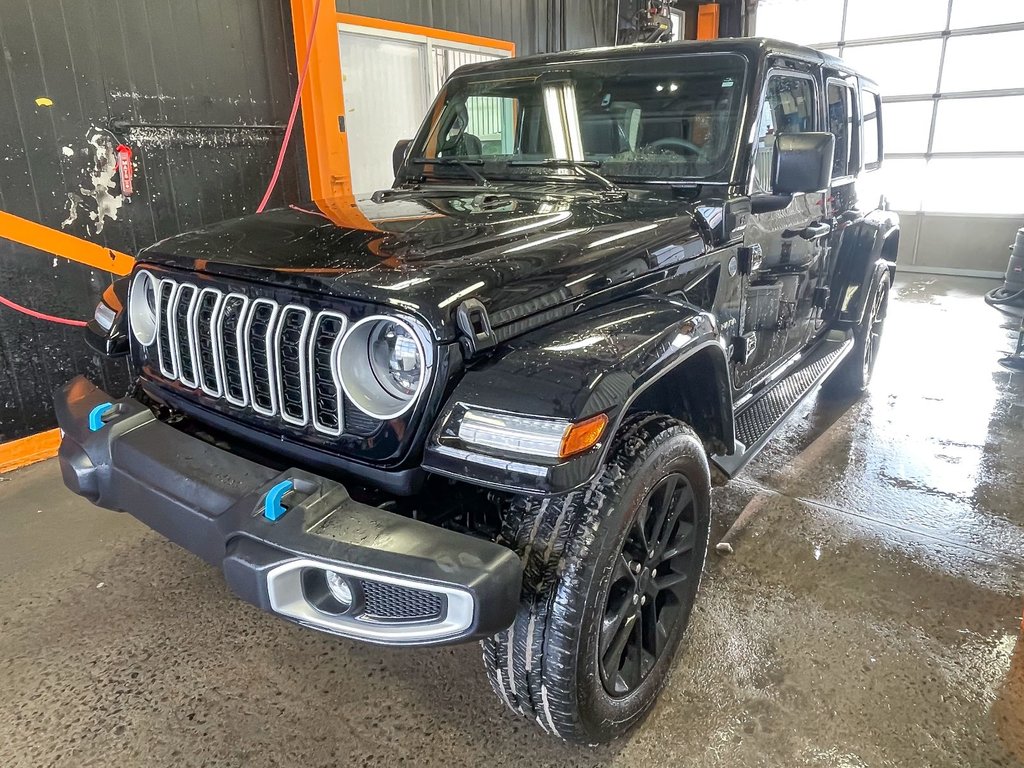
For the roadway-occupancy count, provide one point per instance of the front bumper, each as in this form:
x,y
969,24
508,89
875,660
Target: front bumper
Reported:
x,y
411,583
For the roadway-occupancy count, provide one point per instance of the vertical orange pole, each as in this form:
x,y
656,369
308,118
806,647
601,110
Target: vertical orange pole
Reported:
x,y
323,103
707,21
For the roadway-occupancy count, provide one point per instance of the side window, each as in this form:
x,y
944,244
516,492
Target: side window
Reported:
x,y
841,124
871,121
788,108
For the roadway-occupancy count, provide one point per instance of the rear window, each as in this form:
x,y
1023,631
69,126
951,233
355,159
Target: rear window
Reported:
x,y
871,122
842,123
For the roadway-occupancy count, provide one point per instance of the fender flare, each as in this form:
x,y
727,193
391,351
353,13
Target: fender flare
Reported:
x,y
597,361
868,247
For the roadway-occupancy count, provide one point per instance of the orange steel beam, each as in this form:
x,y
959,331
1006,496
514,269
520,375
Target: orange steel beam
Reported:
x,y
29,450
62,244
707,21
323,102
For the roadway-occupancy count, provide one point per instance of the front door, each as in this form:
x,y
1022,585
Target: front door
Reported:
x,y
789,245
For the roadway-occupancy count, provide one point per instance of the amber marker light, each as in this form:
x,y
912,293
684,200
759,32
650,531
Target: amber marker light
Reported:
x,y
583,435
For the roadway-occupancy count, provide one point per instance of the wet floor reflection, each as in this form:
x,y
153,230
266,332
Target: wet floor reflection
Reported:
x,y
933,448
1008,709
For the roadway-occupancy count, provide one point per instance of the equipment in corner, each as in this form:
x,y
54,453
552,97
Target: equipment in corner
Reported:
x,y
1009,297
651,23
1015,362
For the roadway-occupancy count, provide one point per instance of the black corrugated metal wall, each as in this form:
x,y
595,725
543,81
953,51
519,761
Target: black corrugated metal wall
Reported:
x,y
161,65
535,26
150,62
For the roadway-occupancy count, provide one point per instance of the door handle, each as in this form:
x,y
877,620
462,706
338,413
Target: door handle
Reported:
x,y
813,232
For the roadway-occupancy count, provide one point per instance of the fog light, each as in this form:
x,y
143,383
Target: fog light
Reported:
x,y
339,588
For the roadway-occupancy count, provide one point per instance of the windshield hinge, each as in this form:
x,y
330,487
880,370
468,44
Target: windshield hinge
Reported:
x,y
477,334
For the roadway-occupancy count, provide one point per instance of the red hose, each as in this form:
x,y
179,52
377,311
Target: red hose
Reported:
x,y
294,114
41,315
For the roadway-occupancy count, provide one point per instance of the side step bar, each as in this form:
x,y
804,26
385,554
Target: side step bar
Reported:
x,y
757,420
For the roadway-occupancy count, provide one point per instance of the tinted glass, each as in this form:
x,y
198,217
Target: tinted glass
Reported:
x,y
842,125
788,107
647,118
871,146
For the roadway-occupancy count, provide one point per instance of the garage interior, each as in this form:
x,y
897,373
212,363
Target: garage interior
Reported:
x,y
869,611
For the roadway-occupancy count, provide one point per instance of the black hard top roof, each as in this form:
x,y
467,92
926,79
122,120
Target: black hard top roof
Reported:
x,y
752,48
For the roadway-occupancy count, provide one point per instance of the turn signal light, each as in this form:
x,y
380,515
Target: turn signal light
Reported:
x,y
582,435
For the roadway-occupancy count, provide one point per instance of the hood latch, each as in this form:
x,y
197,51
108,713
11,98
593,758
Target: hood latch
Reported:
x,y
477,333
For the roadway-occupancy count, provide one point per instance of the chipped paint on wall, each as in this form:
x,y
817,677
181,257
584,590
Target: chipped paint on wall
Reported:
x,y
205,138
102,179
74,202
144,61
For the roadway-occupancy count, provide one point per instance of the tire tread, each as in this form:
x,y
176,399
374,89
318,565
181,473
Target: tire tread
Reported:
x,y
531,665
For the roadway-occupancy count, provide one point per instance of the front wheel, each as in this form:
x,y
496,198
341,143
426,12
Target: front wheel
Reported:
x,y
611,575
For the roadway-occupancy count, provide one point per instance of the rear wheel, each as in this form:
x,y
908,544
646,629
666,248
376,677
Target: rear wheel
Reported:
x,y
611,575
854,373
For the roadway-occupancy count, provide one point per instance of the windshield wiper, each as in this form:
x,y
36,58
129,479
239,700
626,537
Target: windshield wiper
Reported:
x,y
583,167
466,165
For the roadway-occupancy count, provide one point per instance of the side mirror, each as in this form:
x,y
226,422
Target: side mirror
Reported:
x,y
398,154
802,162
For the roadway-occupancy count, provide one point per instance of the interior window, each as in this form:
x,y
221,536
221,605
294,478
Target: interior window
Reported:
x,y
841,124
788,108
871,111
490,120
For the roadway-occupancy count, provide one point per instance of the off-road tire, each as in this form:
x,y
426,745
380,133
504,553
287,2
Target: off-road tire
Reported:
x,y
545,666
853,375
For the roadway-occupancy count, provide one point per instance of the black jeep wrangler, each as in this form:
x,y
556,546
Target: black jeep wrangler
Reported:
x,y
490,402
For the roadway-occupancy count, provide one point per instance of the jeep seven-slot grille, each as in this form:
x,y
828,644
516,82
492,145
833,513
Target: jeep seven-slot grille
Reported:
x,y
258,354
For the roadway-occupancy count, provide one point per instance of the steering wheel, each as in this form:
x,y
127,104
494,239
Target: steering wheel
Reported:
x,y
679,146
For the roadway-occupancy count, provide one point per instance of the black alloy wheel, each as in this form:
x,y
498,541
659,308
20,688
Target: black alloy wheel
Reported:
x,y
873,331
649,591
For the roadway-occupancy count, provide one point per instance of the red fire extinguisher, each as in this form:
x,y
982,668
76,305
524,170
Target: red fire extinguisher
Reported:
x,y
125,169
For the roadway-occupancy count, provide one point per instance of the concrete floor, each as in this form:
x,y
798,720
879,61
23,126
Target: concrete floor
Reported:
x,y
870,616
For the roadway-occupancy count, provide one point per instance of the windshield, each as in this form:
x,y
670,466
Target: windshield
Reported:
x,y
647,118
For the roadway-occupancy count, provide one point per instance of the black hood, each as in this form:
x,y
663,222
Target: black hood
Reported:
x,y
517,255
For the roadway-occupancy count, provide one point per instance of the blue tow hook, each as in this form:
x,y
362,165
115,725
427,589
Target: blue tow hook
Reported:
x,y
96,416
273,509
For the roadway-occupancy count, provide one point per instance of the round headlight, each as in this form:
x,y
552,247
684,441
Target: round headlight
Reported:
x,y
395,359
142,309
381,366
